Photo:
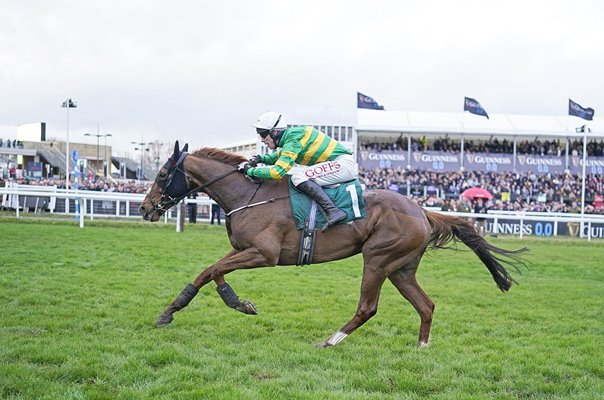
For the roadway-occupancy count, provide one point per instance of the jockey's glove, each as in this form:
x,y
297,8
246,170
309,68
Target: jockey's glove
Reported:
x,y
255,160
243,167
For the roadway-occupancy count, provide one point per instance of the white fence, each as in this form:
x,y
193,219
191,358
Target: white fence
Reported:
x,y
538,224
92,204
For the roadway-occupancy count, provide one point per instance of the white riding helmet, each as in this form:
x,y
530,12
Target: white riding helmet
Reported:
x,y
270,120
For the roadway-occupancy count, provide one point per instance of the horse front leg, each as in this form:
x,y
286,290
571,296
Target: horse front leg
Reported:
x,y
249,258
230,298
180,302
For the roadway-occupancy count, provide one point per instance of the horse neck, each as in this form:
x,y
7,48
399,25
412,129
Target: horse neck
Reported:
x,y
230,192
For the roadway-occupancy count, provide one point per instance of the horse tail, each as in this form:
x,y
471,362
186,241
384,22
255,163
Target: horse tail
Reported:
x,y
447,228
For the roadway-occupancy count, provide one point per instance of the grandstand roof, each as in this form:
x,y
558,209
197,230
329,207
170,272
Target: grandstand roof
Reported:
x,y
388,122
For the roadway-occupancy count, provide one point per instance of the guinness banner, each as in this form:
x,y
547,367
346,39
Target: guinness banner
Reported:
x,y
371,159
539,164
437,161
545,228
593,165
441,161
489,162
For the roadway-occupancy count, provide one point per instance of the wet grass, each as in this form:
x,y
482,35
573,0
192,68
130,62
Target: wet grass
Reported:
x,y
78,308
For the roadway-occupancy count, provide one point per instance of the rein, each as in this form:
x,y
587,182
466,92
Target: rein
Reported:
x,y
254,205
174,200
203,186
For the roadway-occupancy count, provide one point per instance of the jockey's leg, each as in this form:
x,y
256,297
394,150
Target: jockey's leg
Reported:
x,y
311,179
333,214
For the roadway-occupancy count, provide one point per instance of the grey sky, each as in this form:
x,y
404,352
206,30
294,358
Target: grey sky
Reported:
x,y
201,71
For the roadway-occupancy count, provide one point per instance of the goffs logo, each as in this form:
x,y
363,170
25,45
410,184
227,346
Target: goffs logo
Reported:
x,y
327,168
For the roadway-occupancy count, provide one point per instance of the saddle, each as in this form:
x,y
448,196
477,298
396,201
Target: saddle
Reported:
x,y
348,196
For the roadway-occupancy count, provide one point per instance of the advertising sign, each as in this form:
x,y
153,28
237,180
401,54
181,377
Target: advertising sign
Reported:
x,y
437,161
545,228
489,162
441,161
539,164
593,165
371,159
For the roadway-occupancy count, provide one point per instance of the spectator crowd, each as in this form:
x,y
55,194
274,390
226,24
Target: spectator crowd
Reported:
x,y
8,143
511,191
534,147
551,192
98,185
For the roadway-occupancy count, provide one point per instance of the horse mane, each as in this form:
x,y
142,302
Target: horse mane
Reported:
x,y
219,155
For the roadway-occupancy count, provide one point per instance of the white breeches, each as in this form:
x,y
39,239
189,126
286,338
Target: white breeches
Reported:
x,y
342,169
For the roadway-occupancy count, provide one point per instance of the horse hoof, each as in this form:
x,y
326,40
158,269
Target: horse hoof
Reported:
x,y
323,345
164,319
247,307
423,345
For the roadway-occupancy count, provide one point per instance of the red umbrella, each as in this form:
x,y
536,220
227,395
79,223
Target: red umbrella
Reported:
x,y
477,193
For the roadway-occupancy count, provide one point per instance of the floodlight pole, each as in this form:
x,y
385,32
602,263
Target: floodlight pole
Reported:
x,y
142,146
69,103
98,136
97,146
105,162
585,130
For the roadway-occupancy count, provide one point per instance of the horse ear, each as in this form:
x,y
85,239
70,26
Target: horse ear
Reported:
x,y
176,151
186,148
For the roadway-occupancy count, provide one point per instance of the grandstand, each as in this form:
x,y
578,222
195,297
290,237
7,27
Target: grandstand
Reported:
x,y
529,163
29,157
406,140
378,123
532,166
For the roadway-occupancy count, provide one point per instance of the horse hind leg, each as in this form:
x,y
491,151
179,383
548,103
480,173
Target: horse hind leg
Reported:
x,y
404,280
367,308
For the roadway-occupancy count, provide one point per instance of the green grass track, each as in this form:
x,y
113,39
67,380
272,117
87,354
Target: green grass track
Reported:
x,y
78,307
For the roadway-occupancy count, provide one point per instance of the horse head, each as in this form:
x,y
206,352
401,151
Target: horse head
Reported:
x,y
169,188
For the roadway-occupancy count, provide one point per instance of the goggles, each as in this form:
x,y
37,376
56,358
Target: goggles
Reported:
x,y
264,132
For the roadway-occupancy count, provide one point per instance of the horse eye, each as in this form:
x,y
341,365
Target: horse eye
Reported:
x,y
162,175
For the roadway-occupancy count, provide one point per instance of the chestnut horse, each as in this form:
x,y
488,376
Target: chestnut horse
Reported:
x,y
393,237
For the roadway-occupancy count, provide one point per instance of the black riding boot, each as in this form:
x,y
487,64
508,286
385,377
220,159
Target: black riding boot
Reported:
x,y
333,214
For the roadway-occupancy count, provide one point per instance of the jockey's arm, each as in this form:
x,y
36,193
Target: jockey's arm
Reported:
x,y
270,159
283,163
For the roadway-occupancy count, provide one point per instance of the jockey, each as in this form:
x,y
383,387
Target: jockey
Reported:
x,y
310,157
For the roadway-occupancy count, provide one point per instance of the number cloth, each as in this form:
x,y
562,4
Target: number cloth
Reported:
x,y
348,196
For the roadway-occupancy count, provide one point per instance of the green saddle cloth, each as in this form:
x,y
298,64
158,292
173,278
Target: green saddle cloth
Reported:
x,y
348,196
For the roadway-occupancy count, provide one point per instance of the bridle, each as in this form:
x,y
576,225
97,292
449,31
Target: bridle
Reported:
x,y
176,182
